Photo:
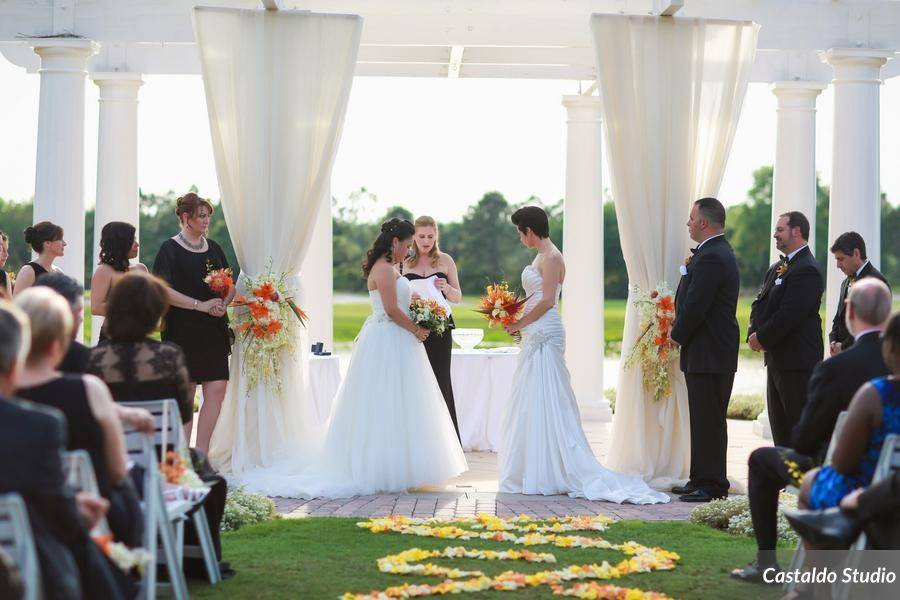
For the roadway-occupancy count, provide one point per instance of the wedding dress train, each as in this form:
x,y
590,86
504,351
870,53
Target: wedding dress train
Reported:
x,y
544,449
389,427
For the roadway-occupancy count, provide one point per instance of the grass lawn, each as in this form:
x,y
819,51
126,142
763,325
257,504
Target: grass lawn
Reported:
x,y
324,557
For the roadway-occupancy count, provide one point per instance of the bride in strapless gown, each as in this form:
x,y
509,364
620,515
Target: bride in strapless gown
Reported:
x,y
389,428
543,447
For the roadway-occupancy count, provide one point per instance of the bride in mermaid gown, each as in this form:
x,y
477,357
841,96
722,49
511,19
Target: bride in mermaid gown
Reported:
x,y
389,428
543,447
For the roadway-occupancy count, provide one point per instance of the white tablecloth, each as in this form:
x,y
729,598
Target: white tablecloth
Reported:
x,y
482,380
324,380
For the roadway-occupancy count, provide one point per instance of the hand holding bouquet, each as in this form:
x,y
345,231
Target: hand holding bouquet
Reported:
x,y
427,313
501,306
219,281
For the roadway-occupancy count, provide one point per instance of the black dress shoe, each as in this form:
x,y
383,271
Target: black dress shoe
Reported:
x,y
828,529
700,496
684,489
753,573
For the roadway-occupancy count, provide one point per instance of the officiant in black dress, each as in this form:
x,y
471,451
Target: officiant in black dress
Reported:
x,y
427,261
707,329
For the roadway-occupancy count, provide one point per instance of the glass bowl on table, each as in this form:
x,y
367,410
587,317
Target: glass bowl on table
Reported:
x,y
467,339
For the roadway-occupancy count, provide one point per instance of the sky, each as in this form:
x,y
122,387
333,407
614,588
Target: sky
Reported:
x,y
434,146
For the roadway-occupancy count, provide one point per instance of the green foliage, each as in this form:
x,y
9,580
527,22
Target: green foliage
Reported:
x,y
243,508
732,515
746,407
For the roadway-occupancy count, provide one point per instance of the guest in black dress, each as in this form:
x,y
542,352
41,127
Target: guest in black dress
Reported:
x,y
5,283
92,419
136,368
76,358
118,245
46,239
197,321
425,261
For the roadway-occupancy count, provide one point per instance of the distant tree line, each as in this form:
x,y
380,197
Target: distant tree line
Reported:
x,y
484,242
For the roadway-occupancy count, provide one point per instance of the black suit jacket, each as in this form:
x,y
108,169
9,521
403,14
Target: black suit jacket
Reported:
x,y
831,387
705,309
32,439
76,358
839,331
785,315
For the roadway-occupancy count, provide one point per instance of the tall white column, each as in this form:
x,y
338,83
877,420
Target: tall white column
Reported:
x,y
794,185
582,304
318,282
117,148
855,203
59,172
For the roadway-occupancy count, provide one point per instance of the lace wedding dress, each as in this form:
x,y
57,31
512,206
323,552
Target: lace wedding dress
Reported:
x,y
389,428
543,448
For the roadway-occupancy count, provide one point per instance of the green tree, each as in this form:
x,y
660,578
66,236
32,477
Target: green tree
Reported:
x,y
615,275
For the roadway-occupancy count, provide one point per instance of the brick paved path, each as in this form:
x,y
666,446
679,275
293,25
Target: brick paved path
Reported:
x,y
476,491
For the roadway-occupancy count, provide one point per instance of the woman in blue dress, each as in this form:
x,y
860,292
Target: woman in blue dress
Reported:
x,y
874,414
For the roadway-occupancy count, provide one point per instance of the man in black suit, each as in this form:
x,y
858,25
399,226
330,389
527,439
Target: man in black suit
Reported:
x,y
32,439
707,330
785,324
849,251
77,356
831,387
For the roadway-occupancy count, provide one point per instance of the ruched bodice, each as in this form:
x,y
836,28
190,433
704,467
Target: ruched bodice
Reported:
x,y
403,297
548,328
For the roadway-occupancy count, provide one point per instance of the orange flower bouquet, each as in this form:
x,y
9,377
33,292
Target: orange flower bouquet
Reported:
x,y
654,349
127,559
265,326
501,306
219,281
181,481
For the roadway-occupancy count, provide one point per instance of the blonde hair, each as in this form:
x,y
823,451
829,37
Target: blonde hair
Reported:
x,y
50,317
435,253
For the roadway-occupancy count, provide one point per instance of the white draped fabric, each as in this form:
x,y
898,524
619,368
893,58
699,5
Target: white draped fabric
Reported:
x,y
277,86
671,91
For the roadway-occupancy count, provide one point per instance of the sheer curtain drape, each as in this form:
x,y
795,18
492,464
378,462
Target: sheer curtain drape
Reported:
x,y
671,93
277,85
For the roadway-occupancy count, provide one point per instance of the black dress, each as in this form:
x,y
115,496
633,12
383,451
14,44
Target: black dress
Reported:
x,y
205,339
439,350
68,395
38,269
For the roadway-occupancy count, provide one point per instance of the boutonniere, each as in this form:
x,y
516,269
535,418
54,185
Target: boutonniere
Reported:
x,y
781,269
683,267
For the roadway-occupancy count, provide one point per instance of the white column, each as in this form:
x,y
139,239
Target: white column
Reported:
x,y
117,147
794,185
59,172
582,302
855,203
318,282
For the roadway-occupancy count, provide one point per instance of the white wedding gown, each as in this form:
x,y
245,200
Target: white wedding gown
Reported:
x,y
543,447
389,428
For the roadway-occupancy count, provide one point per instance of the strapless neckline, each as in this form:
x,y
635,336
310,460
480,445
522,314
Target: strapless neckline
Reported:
x,y
417,276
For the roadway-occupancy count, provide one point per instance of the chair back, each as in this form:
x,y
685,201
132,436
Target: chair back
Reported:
x,y
167,419
889,460
17,541
80,477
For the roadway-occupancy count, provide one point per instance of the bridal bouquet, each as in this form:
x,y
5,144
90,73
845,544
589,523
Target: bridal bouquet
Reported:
x,y
427,313
654,349
219,281
265,325
500,306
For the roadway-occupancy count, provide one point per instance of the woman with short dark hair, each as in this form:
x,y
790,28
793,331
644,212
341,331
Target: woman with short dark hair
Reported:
x,y
46,239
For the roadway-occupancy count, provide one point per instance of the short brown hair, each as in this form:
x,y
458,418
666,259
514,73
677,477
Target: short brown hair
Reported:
x,y
136,305
51,319
190,204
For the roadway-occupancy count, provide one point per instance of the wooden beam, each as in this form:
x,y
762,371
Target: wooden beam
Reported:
x,y
668,8
270,4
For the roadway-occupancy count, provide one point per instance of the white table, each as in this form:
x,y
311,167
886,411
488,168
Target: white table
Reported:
x,y
324,380
482,381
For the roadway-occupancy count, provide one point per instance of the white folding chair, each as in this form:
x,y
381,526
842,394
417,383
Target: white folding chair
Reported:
x,y
800,553
158,519
80,477
16,539
888,462
169,432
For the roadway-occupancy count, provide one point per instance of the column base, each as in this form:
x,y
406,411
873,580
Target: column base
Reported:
x,y
761,426
595,410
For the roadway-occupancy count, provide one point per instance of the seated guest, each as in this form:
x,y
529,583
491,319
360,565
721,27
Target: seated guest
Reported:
x,y
92,417
831,387
75,360
874,414
32,438
136,367
875,509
